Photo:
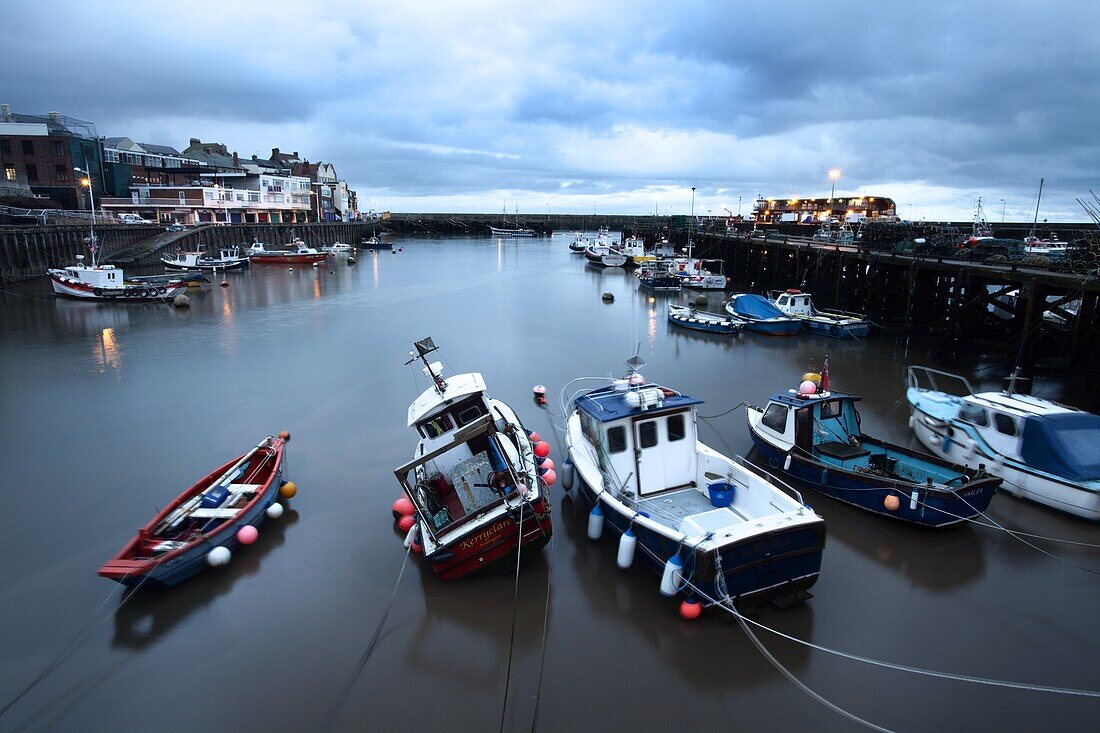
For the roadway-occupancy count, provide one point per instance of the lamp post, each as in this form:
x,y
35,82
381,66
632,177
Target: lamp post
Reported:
x,y
691,221
1002,211
833,175
86,182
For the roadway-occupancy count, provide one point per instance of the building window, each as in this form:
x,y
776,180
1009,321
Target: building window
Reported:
x,y
183,198
58,148
28,147
61,172
32,172
110,156
5,147
9,172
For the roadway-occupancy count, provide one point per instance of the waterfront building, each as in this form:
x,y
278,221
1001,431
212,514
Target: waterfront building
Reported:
x,y
39,152
127,164
818,210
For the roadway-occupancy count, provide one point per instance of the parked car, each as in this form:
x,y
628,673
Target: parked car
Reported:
x,y
176,228
133,219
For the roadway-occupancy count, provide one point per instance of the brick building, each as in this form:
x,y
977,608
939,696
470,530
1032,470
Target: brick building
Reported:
x,y
43,150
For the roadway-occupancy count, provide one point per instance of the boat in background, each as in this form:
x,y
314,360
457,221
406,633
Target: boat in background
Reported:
x,y
505,231
761,316
374,243
714,529
338,248
697,320
109,283
229,258
476,486
836,324
298,253
814,435
1046,452
634,249
656,275
601,254
695,275
205,523
580,243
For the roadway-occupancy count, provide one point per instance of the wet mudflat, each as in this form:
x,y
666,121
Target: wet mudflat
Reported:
x,y
107,412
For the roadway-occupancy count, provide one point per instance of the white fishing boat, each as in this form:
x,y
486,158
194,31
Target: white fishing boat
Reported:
x,y
107,282
580,243
601,254
229,258
1044,451
699,275
634,249
338,248
836,324
715,529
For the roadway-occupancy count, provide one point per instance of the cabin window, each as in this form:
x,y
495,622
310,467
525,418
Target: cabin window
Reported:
x,y
616,439
775,418
647,434
588,427
974,415
830,409
437,426
467,416
1004,424
676,428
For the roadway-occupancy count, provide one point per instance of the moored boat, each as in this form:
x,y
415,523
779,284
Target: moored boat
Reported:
x,y
338,248
761,316
835,324
478,492
206,522
603,255
813,435
713,528
298,253
1044,451
375,243
229,258
697,320
107,282
634,249
580,243
655,275
695,273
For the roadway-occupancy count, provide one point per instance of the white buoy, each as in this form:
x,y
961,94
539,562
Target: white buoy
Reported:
x,y
627,543
567,475
670,578
595,523
411,536
913,500
218,556
275,510
910,422
787,463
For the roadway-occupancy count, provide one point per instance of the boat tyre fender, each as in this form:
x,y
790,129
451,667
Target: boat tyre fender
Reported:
x,y
162,290
98,292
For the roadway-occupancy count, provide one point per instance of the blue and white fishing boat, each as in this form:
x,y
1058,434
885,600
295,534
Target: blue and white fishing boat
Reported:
x,y
1044,451
761,316
814,437
686,316
835,324
600,253
712,527
656,276
580,243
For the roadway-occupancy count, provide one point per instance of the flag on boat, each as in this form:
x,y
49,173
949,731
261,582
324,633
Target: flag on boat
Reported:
x,y
825,374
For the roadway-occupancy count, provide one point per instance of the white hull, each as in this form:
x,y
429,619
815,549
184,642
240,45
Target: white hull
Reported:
x,y
1042,489
68,288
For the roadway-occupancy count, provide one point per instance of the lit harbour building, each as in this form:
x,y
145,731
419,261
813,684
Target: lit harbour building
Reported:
x,y
815,211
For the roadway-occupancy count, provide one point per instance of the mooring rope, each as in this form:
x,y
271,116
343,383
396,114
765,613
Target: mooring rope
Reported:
x,y
343,696
515,605
545,632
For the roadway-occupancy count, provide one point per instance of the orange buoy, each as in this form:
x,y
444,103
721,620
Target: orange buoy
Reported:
x,y
224,284
891,502
542,449
288,490
690,610
416,547
403,507
284,435
406,522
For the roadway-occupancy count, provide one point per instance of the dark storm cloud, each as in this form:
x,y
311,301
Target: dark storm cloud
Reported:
x,y
941,101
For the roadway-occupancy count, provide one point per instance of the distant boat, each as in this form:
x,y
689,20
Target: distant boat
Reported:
x,y
580,243
201,526
1044,451
761,316
474,481
634,249
338,248
836,324
298,253
375,243
602,255
815,438
229,258
688,317
500,232
655,275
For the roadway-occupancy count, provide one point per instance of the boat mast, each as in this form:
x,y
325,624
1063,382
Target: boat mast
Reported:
x,y
691,221
1035,221
423,348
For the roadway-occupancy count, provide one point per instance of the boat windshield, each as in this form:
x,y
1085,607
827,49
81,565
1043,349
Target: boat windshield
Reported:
x,y
1063,444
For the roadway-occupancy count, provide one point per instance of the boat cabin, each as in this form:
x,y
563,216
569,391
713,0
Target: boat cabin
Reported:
x,y
99,276
794,302
643,435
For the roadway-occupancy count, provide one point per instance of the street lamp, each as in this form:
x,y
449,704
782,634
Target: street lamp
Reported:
x,y
1002,211
833,175
86,182
691,221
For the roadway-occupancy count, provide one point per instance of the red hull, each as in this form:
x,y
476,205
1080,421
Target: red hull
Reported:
x,y
492,549
289,257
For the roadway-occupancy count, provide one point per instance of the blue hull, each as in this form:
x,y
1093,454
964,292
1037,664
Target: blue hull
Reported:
x,y
869,492
761,569
837,331
193,561
773,328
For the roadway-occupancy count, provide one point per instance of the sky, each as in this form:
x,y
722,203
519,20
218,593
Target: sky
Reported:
x,y
613,107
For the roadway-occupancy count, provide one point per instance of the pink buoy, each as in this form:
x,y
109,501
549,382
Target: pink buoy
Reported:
x,y
247,534
416,547
807,387
535,437
542,449
406,522
546,464
403,507
690,610
549,477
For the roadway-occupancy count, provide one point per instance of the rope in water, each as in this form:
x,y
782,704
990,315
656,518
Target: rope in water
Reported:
x,y
343,696
515,605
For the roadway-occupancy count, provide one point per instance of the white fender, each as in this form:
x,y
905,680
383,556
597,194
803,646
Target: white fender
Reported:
x,y
567,470
627,543
595,523
672,576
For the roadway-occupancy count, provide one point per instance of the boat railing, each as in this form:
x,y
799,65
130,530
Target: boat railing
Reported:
x,y
917,377
771,479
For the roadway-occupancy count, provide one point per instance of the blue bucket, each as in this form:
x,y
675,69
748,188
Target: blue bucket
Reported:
x,y
721,493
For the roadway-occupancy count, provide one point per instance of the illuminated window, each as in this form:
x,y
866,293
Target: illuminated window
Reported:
x,y
9,172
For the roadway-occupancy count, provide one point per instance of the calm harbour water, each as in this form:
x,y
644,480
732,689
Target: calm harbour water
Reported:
x,y
107,412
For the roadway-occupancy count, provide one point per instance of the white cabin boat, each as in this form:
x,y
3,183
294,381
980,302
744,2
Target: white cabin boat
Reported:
x,y
601,253
1044,451
229,258
634,249
836,324
107,282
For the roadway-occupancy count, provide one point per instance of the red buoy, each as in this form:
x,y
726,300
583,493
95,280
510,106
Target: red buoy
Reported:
x,y
542,449
416,547
690,610
535,437
406,522
546,463
403,507
549,477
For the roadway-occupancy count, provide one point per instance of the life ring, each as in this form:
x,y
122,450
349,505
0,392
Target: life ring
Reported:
x,y
98,292
162,290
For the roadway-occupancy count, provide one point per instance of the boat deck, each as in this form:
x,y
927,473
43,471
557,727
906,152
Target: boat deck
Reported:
x,y
673,509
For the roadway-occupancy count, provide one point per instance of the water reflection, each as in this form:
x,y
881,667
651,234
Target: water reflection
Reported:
x,y
107,353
